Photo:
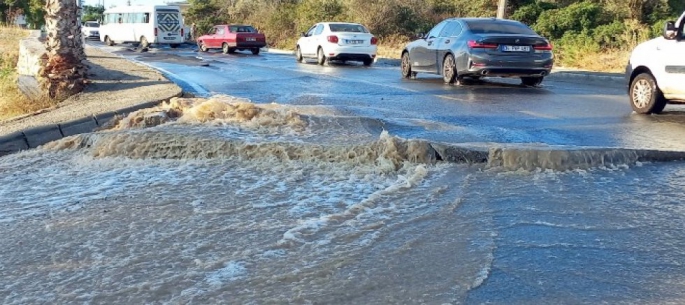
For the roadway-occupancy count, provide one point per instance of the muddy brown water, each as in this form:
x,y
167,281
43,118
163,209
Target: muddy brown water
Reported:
x,y
223,201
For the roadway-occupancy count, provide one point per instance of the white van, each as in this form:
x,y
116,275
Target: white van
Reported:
x,y
656,70
143,25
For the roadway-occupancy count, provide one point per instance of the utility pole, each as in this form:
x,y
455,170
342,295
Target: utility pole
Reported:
x,y
501,9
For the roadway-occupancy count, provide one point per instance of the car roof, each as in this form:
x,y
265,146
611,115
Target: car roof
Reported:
x,y
467,19
338,22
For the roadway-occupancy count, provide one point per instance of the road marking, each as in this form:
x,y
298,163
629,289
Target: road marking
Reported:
x,y
539,115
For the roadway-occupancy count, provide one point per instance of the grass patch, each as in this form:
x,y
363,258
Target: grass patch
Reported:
x,y
12,101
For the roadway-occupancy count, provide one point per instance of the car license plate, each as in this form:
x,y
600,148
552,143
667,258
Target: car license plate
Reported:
x,y
355,41
516,48
250,39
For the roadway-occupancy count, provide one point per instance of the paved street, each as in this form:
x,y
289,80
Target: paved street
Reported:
x,y
497,110
309,201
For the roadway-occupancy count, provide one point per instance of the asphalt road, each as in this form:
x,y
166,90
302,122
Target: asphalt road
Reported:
x,y
560,112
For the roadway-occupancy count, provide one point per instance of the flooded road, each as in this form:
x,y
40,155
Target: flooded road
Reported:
x,y
226,201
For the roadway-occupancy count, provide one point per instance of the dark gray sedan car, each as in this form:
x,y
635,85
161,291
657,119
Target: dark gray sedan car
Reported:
x,y
459,48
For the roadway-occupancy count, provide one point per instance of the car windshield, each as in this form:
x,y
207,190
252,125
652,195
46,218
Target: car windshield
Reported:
x,y
498,27
242,29
92,24
348,27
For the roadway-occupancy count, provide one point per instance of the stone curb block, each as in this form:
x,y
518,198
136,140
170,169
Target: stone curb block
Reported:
x,y
43,134
525,157
13,142
37,136
75,127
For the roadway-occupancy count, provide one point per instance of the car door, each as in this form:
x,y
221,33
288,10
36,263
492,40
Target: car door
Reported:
x,y
306,41
443,44
422,59
316,39
673,54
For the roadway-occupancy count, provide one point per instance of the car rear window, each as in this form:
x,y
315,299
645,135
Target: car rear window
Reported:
x,y
242,29
92,24
498,27
347,27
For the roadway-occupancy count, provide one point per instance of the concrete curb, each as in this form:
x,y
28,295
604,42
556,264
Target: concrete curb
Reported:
x,y
37,136
529,157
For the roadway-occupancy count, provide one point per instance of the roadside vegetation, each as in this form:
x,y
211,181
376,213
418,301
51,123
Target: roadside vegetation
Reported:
x,y
12,101
587,34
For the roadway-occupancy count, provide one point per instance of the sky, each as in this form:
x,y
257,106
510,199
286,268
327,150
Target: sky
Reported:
x,y
109,3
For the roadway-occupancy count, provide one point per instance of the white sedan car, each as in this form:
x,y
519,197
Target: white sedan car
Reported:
x,y
90,30
337,41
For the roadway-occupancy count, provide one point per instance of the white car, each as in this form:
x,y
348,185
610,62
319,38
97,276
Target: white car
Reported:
x,y
656,70
91,30
341,41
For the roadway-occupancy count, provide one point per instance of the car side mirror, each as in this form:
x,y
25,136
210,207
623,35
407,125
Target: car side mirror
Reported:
x,y
303,34
670,30
420,35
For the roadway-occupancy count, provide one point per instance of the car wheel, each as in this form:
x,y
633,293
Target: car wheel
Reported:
x,y
645,95
255,51
368,62
203,47
321,58
298,55
532,81
449,69
108,41
225,49
406,66
144,44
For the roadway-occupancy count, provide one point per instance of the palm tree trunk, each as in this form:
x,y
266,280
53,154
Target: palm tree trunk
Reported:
x,y
64,73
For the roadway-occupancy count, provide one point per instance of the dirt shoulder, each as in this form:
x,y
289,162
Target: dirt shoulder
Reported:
x,y
115,83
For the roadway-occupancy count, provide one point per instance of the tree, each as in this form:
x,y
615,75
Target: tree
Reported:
x,y
64,73
93,13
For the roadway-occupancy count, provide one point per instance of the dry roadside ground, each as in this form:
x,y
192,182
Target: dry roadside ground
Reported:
x,y
12,102
114,83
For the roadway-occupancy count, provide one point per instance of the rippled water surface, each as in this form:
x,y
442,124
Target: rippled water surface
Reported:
x,y
224,201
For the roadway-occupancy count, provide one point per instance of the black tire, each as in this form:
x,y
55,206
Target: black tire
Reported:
x,y
144,44
645,95
368,62
108,41
255,51
203,47
406,66
532,81
449,69
225,49
174,45
321,58
298,55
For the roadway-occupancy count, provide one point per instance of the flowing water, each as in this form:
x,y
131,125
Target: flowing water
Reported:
x,y
228,202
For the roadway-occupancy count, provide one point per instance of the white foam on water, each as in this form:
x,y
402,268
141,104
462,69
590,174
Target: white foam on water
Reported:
x,y
232,271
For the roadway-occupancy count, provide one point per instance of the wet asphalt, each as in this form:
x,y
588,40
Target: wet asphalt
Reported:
x,y
559,112
573,238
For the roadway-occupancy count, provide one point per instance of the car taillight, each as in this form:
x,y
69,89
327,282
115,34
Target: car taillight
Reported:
x,y
333,39
155,31
374,40
547,47
479,45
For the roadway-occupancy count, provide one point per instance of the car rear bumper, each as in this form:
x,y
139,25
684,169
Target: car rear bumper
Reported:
x,y
504,67
248,45
350,52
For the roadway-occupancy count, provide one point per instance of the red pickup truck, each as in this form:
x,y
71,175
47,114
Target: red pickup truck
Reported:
x,y
230,37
